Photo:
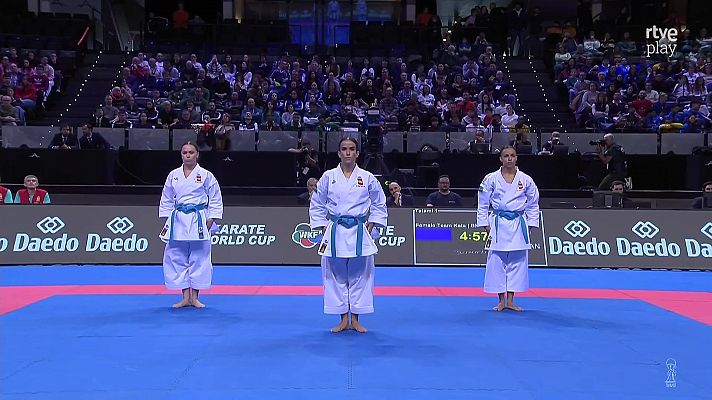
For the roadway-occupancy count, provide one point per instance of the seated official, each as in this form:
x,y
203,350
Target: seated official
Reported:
x,y
304,199
64,139
6,195
443,197
554,141
398,199
91,140
698,202
619,187
31,194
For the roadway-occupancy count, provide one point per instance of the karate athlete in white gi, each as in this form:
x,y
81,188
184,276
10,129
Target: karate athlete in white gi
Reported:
x,y
508,207
190,202
347,204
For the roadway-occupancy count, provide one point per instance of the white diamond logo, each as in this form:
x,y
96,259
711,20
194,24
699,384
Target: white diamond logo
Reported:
x,y
707,230
577,228
50,225
645,229
120,225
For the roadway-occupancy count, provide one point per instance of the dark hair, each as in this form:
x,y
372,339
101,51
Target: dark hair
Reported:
x,y
704,185
195,146
348,138
614,183
444,176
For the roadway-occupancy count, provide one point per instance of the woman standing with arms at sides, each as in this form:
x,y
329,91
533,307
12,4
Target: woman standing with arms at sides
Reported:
x,y
508,207
191,201
347,205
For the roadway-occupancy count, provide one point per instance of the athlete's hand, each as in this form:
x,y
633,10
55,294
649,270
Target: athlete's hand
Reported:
x,y
369,226
487,228
209,223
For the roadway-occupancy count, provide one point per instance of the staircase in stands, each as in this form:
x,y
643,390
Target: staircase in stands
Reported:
x,y
538,99
85,92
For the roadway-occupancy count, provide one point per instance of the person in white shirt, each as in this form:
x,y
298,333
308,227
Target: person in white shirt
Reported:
x,y
509,119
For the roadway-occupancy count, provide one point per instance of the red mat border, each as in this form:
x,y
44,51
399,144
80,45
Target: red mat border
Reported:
x,y
693,305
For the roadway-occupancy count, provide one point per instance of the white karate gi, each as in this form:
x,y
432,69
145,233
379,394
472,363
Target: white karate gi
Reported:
x,y
348,274
186,259
508,244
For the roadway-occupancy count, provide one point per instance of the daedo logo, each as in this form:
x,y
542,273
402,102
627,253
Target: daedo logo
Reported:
x,y
645,229
120,225
117,226
577,228
647,241
49,226
305,236
707,230
697,248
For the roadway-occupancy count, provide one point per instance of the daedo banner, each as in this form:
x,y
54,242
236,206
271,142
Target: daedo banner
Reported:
x,y
58,234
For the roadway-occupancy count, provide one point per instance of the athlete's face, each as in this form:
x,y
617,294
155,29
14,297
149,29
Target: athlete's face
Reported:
x,y
508,158
348,152
189,154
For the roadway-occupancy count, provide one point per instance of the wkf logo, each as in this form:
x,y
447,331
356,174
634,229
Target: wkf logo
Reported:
x,y
305,236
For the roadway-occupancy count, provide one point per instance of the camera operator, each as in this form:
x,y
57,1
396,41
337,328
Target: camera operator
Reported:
x,y
611,154
307,162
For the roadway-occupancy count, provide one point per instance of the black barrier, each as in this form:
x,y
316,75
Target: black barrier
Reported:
x,y
231,169
272,169
269,236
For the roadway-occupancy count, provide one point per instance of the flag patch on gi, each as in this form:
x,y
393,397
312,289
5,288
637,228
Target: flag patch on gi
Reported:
x,y
520,185
359,181
198,178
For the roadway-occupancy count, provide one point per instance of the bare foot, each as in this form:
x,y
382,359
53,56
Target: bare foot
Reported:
x,y
499,307
182,303
343,325
196,303
514,307
356,325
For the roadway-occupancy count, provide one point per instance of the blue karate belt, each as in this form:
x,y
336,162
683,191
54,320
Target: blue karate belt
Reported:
x,y
348,221
510,216
187,209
